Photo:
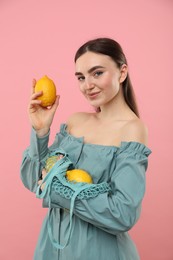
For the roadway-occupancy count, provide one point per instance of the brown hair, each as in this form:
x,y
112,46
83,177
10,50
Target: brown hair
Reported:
x,y
113,49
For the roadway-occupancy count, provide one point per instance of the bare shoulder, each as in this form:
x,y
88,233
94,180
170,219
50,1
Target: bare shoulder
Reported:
x,y
135,130
77,118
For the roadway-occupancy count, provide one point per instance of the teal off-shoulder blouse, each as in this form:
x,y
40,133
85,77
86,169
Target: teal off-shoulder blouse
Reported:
x,y
100,224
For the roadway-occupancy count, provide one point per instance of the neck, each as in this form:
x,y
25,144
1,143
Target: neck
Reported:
x,y
116,109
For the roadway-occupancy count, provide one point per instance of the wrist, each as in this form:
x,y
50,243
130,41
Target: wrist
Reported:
x,y
42,132
38,145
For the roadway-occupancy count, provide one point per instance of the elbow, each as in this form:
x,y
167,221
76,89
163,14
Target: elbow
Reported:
x,y
31,186
128,223
127,220
29,175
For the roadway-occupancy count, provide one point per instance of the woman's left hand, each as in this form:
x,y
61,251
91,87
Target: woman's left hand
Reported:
x,y
44,173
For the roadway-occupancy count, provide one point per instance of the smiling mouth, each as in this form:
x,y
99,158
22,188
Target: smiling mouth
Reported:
x,y
93,95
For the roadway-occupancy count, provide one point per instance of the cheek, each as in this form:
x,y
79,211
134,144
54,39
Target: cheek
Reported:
x,y
106,83
81,88
115,83
110,81
112,87
110,84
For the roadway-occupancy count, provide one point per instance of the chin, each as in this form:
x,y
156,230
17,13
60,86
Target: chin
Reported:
x,y
94,105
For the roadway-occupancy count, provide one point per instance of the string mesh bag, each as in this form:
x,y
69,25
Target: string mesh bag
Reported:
x,y
56,164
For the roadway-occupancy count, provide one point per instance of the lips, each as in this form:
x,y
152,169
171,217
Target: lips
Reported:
x,y
92,95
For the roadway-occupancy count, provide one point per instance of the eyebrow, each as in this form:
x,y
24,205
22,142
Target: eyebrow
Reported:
x,y
90,70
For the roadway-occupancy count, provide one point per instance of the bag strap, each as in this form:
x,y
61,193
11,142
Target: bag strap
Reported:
x,y
55,243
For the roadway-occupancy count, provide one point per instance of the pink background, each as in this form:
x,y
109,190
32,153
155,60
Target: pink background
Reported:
x,y
40,37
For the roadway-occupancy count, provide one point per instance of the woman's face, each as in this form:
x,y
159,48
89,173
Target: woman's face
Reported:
x,y
99,78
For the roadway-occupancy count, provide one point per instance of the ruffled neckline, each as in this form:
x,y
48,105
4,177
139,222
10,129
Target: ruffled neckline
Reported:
x,y
131,145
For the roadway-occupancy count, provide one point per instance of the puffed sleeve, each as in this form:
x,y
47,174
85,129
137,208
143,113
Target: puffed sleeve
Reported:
x,y
119,210
32,160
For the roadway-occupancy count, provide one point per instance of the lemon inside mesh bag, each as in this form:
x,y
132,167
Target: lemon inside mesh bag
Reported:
x,y
50,162
62,185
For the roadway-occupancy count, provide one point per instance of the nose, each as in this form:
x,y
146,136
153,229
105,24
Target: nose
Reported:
x,y
89,84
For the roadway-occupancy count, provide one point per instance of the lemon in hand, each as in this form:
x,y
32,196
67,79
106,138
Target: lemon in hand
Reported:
x,y
47,86
78,175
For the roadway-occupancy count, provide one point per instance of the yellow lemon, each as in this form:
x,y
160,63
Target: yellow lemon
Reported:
x,y
78,175
50,162
46,85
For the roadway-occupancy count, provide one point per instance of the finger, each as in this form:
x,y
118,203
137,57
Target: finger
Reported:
x,y
60,156
44,173
56,104
39,182
33,105
36,94
33,86
34,101
42,186
57,99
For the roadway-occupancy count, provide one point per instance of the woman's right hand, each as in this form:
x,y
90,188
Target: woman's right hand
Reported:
x,y
40,117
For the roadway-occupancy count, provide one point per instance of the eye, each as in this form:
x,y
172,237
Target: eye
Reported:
x,y
98,73
81,78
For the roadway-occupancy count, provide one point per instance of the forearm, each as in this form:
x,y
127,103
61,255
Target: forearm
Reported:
x,y
106,212
32,160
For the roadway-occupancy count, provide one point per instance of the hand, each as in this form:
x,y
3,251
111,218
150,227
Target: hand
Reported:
x,y
44,173
41,118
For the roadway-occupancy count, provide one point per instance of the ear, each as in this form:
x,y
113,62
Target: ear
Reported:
x,y
123,72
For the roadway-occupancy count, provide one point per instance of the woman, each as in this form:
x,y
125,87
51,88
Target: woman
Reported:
x,y
110,144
